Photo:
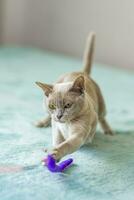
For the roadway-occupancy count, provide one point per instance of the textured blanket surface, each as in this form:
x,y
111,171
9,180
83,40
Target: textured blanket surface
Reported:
x,y
101,170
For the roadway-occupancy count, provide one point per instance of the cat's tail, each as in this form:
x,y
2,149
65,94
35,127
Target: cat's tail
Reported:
x,y
89,53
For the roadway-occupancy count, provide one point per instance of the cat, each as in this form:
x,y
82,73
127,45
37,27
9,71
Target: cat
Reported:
x,y
75,105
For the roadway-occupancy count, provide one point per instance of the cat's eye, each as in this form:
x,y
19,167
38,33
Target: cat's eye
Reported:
x,y
52,106
68,105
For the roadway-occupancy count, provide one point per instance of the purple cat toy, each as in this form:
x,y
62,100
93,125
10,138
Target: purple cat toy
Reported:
x,y
50,162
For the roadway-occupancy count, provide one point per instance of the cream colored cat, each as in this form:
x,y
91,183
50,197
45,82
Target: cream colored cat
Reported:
x,y
75,105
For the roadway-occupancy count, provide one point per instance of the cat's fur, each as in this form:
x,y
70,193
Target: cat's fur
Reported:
x,y
75,105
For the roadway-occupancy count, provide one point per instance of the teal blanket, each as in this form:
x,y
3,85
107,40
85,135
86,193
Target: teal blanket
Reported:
x,y
103,170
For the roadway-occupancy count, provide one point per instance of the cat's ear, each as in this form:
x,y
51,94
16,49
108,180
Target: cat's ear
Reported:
x,y
78,85
45,87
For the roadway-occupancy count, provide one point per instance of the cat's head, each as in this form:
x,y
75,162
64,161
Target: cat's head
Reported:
x,y
64,100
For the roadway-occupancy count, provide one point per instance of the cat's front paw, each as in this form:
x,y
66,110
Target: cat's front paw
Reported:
x,y
56,154
39,124
42,123
53,152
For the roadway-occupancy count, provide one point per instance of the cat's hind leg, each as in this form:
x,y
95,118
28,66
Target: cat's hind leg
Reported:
x,y
102,113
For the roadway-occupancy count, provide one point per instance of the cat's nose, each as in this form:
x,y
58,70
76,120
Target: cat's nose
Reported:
x,y
59,115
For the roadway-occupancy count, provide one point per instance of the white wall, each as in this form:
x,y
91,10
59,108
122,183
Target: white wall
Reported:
x,y
62,26
1,20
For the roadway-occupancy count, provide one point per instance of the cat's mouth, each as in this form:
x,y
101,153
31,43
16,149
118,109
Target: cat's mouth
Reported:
x,y
60,120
